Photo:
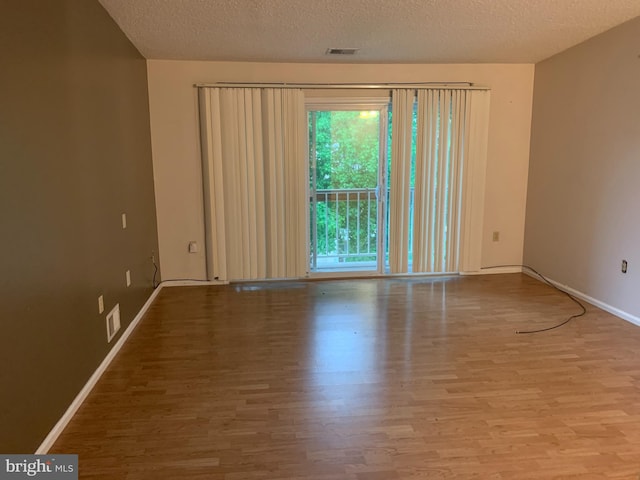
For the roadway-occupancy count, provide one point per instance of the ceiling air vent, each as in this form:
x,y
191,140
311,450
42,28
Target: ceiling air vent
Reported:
x,y
341,51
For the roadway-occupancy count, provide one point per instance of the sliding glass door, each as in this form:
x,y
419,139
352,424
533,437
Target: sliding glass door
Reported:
x,y
347,201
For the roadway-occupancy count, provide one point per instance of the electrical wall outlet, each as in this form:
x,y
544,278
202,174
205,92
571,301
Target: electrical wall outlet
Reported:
x,y
127,275
193,247
124,221
496,236
623,267
100,304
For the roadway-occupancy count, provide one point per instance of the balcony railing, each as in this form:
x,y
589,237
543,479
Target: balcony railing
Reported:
x,y
345,227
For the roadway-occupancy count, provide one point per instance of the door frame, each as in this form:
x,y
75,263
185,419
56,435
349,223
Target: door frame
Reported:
x,y
380,104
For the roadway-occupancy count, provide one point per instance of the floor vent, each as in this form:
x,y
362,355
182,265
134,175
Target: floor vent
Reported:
x,y
113,322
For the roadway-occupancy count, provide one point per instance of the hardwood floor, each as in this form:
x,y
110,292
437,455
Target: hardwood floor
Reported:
x,y
366,379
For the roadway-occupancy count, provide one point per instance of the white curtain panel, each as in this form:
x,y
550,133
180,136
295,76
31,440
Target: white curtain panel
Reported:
x,y
253,151
474,166
441,119
448,207
400,177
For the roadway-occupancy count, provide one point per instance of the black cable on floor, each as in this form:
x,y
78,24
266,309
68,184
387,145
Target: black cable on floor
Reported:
x,y
548,282
155,273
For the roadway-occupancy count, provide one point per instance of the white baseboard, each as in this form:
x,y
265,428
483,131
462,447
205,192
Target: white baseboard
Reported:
x,y
494,271
73,408
593,301
191,283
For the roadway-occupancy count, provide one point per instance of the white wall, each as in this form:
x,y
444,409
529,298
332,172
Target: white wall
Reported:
x,y
582,213
176,155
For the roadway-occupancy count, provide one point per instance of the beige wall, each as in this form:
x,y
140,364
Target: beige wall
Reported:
x,y
582,214
75,153
174,129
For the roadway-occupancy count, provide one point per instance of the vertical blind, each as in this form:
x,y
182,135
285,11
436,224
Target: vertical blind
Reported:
x,y
253,140
450,146
439,153
254,145
400,179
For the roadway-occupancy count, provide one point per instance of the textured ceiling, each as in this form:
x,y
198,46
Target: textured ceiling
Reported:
x,y
385,31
